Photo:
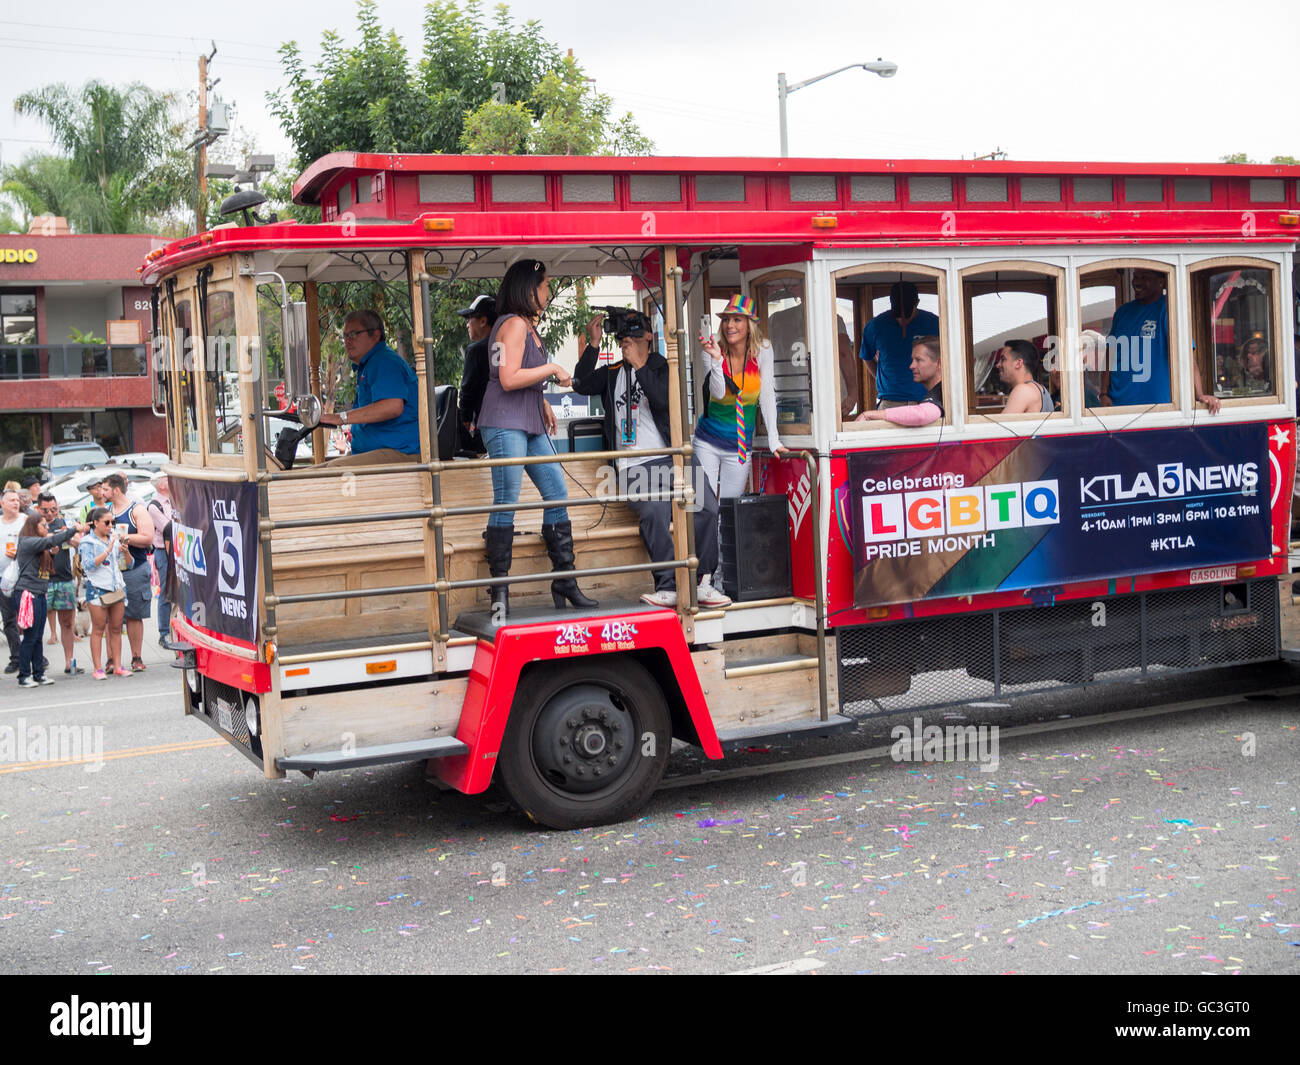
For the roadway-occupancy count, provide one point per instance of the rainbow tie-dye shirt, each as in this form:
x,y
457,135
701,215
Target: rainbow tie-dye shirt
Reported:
x,y
720,422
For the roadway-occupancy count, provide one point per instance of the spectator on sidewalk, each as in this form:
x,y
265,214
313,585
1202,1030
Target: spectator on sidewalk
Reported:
x,y
12,520
61,596
35,564
160,510
137,533
105,591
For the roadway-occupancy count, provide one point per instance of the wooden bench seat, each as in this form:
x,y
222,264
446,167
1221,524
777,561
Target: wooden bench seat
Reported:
x,y
377,554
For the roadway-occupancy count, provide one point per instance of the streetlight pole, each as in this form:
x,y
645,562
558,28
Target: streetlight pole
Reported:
x,y
881,67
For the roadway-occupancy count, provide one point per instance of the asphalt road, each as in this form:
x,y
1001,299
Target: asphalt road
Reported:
x,y
1153,845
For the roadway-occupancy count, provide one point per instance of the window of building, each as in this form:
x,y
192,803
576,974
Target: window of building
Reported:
x,y
1012,314
864,305
17,330
1234,321
19,432
1127,333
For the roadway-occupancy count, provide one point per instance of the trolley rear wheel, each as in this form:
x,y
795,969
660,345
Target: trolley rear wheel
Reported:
x,y
587,743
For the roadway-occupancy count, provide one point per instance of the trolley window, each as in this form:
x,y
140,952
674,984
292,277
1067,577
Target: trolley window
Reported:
x,y
1234,324
1012,339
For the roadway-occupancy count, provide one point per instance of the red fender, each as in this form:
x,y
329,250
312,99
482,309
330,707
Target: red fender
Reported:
x,y
495,675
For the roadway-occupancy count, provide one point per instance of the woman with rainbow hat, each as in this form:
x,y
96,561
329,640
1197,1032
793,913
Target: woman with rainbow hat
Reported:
x,y
739,379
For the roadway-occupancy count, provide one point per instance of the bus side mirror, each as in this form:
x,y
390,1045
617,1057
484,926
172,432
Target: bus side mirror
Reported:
x,y
297,366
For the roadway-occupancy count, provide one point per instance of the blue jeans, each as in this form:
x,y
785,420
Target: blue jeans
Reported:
x,y
506,480
164,607
31,660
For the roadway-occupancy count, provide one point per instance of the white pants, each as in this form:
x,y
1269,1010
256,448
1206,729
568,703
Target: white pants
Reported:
x,y
728,478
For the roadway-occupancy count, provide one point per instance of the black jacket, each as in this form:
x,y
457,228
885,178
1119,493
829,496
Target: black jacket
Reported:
x,y
592,380
469,401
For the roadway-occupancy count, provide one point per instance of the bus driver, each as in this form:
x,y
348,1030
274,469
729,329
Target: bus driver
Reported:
x,y
386,414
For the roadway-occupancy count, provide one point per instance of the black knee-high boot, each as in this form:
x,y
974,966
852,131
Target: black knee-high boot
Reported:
x,y
559,545
500,544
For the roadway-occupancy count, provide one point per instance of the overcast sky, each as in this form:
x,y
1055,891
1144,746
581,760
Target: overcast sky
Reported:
x,y
1109,79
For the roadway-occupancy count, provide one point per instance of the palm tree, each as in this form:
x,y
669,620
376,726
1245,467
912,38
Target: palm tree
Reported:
x,y
123,166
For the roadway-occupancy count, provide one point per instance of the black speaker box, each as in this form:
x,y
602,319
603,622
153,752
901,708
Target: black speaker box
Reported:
x,y
755,547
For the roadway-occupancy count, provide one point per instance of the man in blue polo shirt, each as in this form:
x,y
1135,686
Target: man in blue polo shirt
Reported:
x,y
1138,346
887,346
385,418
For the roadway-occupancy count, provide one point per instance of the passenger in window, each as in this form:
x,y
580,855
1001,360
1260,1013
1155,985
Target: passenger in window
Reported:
x,y
887,345
1138,346
927,371
1019,366
386,414
1092,356
1256,366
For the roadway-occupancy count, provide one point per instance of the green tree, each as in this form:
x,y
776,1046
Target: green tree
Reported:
x,y
1242,157
121,166
564,115
371,97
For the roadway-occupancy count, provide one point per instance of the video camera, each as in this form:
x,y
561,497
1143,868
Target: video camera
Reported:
x,y
624,322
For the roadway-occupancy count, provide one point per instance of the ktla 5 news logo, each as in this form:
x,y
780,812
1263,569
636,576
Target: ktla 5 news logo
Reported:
x,y
230,554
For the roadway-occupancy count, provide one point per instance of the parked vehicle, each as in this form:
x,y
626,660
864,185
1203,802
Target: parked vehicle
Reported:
x,y
152,460
59,458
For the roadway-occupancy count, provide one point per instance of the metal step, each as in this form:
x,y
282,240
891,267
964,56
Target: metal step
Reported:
x,y
381,754
731,739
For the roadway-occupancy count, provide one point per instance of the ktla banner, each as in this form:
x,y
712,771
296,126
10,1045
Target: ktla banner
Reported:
x,y
962,519
214,552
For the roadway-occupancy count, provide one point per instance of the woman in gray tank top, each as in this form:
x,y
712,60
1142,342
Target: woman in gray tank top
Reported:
x,y
515,421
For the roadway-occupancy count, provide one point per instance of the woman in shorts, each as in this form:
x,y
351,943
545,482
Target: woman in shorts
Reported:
x,y
105,590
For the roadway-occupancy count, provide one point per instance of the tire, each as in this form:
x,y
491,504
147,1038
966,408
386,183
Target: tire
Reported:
x,y
587,743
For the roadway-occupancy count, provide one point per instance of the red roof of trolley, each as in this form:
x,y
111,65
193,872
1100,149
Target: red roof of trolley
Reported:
x,y
375,201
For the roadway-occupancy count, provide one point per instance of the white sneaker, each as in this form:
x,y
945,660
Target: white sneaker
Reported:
x,y
668,599
709,595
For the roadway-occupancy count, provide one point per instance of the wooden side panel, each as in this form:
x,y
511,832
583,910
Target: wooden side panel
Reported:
x,y
417,711
766,699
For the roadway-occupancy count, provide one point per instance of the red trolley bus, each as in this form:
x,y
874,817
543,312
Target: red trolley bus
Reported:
x,y
336,617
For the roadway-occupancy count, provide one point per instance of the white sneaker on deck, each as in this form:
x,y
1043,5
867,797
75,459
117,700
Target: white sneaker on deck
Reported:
x,y
667,599
709,595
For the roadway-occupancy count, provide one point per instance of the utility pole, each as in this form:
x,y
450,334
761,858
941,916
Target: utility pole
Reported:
x,y
200,206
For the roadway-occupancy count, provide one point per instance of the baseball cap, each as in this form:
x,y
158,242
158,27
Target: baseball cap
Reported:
x,y
483,304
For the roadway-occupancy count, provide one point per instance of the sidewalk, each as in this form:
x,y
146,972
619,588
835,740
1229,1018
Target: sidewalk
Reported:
x,y
155,658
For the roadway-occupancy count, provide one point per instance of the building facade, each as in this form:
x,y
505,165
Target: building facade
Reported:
x,y
74,326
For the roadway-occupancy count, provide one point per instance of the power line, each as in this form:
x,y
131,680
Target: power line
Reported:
x,y
128,33
67,48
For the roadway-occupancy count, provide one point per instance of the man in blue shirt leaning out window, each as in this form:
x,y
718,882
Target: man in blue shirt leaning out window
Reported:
x,y
385,419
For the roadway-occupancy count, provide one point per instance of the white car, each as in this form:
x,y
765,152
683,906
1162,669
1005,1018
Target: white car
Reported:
x,y
72,489
141,459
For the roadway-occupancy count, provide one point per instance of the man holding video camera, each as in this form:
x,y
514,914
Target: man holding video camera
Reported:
x,y
635,394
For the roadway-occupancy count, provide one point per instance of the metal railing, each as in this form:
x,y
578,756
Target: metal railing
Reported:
x,y
437,514
34,362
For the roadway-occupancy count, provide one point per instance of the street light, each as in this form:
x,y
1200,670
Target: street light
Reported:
x,y
882,67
